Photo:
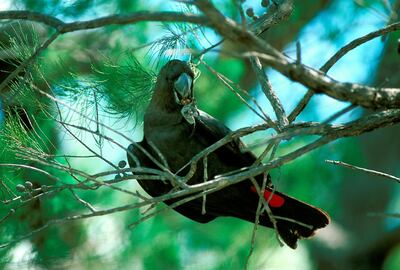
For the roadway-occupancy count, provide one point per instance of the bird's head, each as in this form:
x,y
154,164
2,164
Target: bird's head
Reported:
x,y
179,78
173,92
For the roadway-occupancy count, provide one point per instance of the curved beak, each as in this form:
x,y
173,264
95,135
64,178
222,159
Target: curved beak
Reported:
x,y
183,89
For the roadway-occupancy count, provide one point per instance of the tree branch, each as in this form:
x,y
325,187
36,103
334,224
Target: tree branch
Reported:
x,y
269,92
369,171
336,57
132,18
368,97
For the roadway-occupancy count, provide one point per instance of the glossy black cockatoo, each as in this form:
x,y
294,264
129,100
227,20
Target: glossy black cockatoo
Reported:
x,y
174,126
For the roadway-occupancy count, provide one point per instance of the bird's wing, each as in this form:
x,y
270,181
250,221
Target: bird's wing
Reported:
x,y
137,158
211,130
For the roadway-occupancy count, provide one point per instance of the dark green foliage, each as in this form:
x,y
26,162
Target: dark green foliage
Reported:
x,y
126,86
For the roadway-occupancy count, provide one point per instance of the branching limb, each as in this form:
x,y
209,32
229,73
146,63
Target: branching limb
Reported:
x,y
365,96
336,57
205,178
63,28
357,94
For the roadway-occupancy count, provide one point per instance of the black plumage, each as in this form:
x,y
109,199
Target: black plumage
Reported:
x,y
174,126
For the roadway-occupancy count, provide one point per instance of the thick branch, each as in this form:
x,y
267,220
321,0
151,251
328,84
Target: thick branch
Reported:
x,y
136,17
357,94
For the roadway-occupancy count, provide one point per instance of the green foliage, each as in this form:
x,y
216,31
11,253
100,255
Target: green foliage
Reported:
x,y
120,87
126,86
14,135
393,260
180,40
18,41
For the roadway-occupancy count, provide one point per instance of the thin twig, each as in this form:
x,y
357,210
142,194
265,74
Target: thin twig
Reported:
x,y
50,176
336,57
227,82
84,203
265,203
369,171
7,216
384,215
298,52
257,220
205,178
300,106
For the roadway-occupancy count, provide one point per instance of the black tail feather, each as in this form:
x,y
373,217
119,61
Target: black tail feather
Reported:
x,y
295,220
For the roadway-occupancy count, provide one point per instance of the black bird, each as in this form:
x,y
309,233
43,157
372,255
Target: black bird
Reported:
x,y
175,131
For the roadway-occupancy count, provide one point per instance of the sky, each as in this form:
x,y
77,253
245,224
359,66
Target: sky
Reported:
x,y
5,4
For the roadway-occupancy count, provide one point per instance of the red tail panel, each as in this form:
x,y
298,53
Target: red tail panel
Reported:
x,y
273,199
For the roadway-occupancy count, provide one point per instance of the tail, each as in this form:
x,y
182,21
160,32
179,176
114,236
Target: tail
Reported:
x,y
293,219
